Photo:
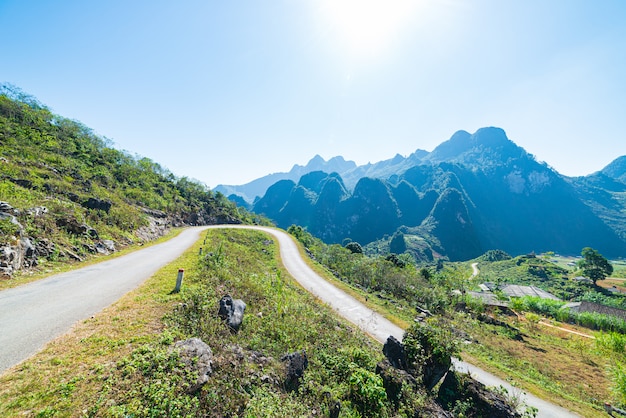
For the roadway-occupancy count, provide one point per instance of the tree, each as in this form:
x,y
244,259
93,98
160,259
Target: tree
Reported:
x,y
354,247
594,265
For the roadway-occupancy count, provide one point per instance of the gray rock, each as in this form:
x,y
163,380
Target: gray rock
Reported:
x,y
29,250
296,364
45,248
197,356
16,256
99,204
37,211
231,310
394,379
108,244
395,353
6,207
462,387
72,226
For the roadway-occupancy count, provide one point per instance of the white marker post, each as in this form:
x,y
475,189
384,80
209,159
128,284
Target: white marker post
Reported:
x,y
179,280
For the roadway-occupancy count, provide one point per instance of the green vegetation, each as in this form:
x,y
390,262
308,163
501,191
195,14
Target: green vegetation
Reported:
x,y
548,362
554,309
594,265
69,189
122,362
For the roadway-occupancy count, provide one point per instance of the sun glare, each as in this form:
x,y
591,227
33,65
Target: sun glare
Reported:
x,y
367,26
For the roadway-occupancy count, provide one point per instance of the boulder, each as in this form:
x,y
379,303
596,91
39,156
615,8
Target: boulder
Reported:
x,y
108,244
485,403
6,208
395,353
296,363
27,184
16,256
37,211
44,247
231,310
394,379
99,204
72,226
9,261
198,357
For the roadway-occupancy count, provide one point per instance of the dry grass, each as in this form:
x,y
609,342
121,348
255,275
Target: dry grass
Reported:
x,y
70,370
550,363
620,284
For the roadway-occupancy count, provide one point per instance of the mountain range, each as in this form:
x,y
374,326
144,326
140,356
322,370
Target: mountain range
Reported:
x,y
472,193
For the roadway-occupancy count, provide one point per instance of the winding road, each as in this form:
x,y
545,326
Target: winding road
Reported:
x,y
33,314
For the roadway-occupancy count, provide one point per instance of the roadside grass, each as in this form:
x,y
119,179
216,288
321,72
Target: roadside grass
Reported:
x,y
565,368
48,268
114,363
92,371
396,312
65,377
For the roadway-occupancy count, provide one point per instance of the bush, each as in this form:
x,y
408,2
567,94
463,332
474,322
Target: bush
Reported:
x,y
366,391
429,349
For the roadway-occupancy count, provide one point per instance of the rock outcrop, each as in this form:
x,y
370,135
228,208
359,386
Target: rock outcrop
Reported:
x,y
295,363
460,387
198,357
232,310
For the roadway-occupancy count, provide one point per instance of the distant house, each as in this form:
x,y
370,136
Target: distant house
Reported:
x,y
581,279
595,307
487,287
517,291
489,299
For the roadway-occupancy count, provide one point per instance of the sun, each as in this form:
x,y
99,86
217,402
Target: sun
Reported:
x,y
367,26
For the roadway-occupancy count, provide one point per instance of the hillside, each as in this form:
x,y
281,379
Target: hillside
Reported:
x,y
66,194
473,193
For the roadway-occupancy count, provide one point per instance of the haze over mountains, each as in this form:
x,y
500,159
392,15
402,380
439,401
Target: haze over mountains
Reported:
x,y
472,193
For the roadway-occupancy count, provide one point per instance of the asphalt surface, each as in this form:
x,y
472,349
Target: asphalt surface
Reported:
x,y
34,314
381,328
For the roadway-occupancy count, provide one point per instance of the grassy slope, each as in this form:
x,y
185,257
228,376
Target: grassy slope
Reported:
x,y
52,162
83,372
568,369
97,369
565,368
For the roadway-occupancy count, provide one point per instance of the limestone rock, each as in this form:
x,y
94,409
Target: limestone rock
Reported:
x,y
394,379
197,356
99,204
231,310
461,387
296,363
395,353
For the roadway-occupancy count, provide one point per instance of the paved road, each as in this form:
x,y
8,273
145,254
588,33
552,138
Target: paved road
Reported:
x,y
34,314
378,326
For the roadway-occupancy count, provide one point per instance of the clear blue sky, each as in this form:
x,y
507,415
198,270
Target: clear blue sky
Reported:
x,y
226,92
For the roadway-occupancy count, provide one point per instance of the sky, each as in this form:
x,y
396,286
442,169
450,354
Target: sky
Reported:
x,y
225,92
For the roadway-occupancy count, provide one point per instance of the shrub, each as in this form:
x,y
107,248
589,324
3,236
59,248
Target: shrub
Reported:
x,y
366,391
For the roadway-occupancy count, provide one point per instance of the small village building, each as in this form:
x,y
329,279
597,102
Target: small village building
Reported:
x,y
592,307
581,279
517,291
